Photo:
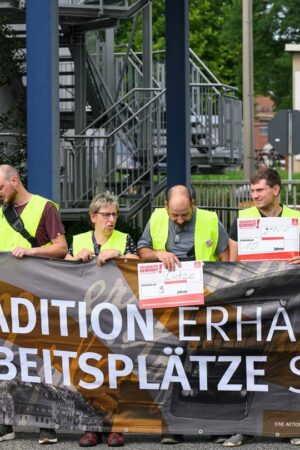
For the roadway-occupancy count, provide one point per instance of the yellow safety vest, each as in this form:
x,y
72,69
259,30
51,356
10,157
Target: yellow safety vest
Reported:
x,y
31,216
253,213
206,233
117,241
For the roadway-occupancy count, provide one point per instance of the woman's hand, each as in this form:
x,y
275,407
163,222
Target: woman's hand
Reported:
x,y
84,254
105,255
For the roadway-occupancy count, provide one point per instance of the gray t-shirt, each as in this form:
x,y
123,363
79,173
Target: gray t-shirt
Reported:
x,y
181,239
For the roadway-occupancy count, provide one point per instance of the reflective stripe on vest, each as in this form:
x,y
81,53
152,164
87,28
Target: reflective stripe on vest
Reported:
x,y
31,216
117,241
206,233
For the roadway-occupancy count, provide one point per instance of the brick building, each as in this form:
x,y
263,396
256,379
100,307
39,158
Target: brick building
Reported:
x,y
263,113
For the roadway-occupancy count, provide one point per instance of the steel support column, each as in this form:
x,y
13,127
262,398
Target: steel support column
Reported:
x,y
147,46
80,157
78,53
110,76
178,95
147,144
248,90
43,97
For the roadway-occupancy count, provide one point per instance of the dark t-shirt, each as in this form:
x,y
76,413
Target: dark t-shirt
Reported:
x,y
50,225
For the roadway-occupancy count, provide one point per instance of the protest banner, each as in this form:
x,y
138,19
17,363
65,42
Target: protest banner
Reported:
x,y
77,352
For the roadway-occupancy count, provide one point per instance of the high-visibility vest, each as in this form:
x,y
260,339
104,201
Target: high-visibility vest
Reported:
x,y
253,213
206,232
31,216
116,241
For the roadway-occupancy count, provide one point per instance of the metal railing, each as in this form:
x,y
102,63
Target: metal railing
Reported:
x,y
66,82
226,197
216,114
119,155
124,149
216,124
99,3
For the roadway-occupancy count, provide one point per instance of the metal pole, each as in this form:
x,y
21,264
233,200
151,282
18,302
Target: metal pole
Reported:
x,y
147,46
78,53
290,149
79,57
248,96
147,83
178,92
43,148
109,61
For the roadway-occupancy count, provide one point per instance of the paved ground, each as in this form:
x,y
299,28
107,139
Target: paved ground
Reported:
x,y
28,440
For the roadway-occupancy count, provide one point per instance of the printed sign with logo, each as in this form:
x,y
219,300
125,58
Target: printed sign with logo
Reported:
x,y
268,238
161,288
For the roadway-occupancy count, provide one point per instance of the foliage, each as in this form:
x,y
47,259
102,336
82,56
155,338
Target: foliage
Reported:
x,y
232,175
205,24
11,57
228,175
275,23
13,119
125,225
75,227
216,37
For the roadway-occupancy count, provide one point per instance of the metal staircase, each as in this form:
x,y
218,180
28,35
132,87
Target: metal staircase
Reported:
x,y
128,140
121,154
123,147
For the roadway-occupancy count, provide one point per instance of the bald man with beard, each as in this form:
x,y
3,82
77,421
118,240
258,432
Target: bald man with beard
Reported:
x,y
39,215
180,231
41,220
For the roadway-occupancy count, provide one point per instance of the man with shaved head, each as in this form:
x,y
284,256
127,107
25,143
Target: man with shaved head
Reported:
x,y
182,231
39,215
45,237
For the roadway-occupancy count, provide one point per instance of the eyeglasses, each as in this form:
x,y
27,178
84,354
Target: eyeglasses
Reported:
x,y
106,215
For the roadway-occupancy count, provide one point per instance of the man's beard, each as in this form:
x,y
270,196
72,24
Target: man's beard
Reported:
x,y
179,228
10,199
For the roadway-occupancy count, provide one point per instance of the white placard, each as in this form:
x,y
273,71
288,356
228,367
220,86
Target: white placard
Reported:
x,y
268,238
161,288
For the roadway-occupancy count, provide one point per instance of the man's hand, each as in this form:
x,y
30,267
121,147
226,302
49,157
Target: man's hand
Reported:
x,y
168,259
19,252
295,260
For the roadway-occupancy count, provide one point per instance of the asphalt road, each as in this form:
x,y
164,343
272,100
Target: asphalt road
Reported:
x,y
29,440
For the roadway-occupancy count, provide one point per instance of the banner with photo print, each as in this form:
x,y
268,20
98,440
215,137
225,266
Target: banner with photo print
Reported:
x,y
77,352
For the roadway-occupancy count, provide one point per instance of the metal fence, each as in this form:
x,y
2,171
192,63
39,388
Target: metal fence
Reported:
x,y
227,197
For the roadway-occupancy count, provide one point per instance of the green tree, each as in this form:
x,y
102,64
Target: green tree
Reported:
x,y
205,23
216,37
275,23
